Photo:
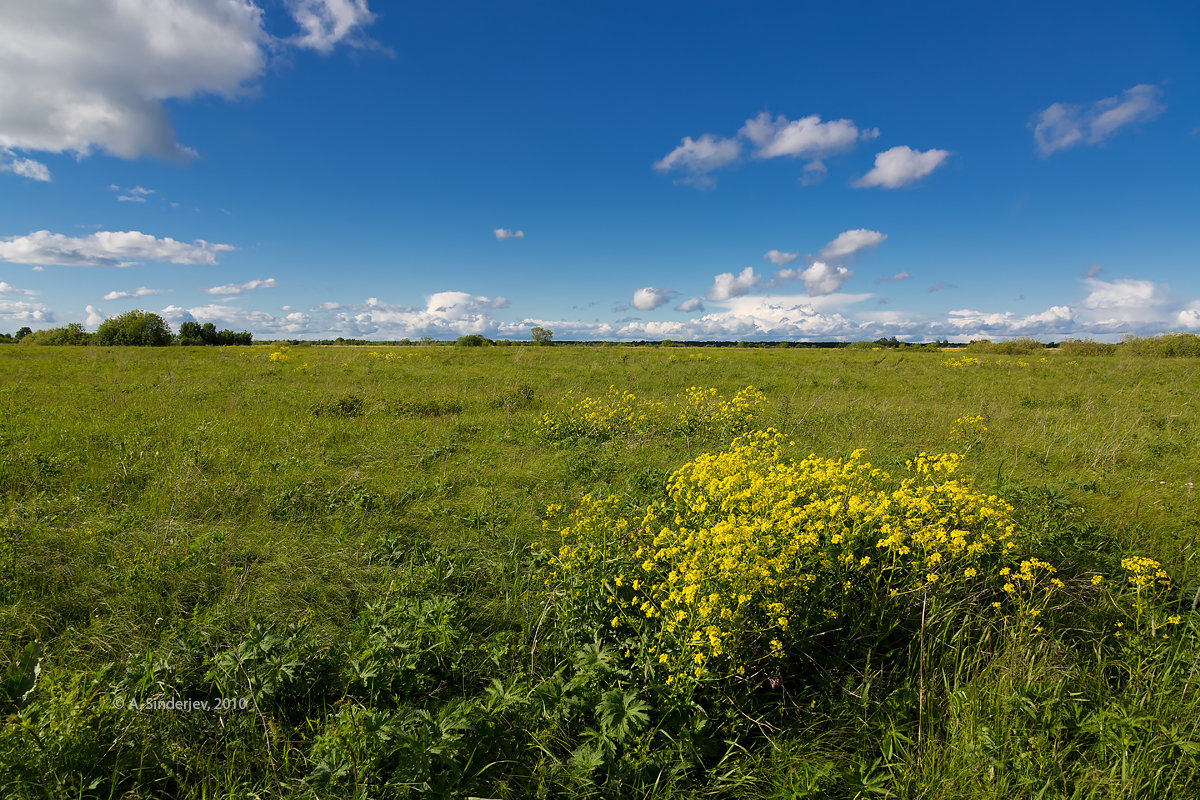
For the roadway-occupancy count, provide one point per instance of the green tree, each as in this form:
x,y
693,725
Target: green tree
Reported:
x,y
25,331
542,336
134,328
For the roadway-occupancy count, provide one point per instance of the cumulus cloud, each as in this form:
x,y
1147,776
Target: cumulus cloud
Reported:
x,y
1062,126
141,291
1052,321
690,305
848,244
765,138
779,258
106,249
899,276
900,166
238,288
819,277
15,313
806,137
8,288
94,316
698,157
84,76
1126,300
727,285
25,167
649,298
504,233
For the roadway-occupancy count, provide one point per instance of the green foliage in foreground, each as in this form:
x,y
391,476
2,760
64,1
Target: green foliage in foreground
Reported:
x,y
345,555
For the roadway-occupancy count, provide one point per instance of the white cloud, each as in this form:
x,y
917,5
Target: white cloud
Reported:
x,y
779,258
814,172
649,298
727,285
94,316
24,312
141,291
975,324
25,167
8,288
1126,300
900,166
136,194
848,244
1062,126
806,137
767,137
82,76
504,233
697,157
105,249
899,276
690,305
327,22
819,277
238,288
1189,317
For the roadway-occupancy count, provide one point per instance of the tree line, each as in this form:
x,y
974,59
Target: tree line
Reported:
x,y
135,328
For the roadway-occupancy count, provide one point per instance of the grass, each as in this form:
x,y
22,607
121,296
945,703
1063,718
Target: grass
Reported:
x,y
344,538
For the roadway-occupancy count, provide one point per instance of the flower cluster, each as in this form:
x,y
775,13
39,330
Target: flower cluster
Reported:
x,y
394,356
968,430
617,413
752,553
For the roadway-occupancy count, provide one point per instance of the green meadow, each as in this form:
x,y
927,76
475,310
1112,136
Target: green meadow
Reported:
x,y
355,556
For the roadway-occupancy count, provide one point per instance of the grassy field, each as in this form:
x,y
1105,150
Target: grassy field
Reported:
x,y
360,551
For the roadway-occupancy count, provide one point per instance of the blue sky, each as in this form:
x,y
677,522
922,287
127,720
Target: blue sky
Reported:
x,y
321,168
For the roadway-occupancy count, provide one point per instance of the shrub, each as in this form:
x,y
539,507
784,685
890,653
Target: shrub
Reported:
x,y
472,340
1012,347
72,334
1169,345
1087,347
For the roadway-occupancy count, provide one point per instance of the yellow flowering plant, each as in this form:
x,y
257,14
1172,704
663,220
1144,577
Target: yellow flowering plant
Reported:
x,y
754,558
618,414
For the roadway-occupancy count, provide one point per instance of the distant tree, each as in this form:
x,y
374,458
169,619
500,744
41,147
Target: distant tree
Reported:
x,y
193,333
189,333
135,328
472,340
25,331
541,336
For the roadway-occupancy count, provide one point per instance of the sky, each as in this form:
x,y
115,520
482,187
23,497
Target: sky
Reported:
x,y
618,171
